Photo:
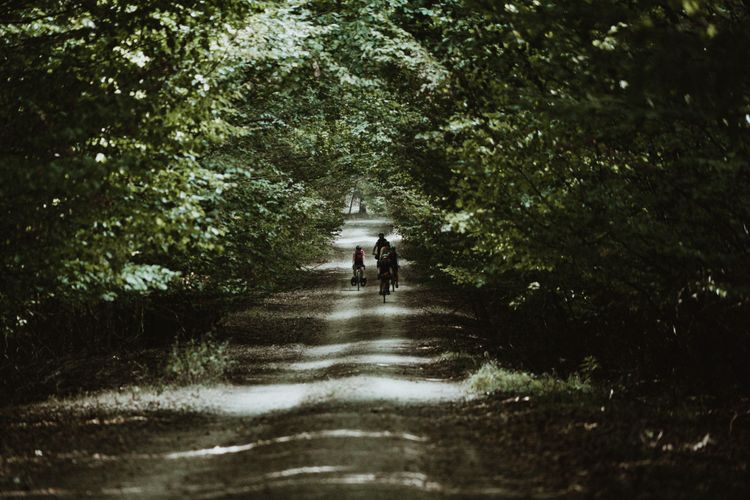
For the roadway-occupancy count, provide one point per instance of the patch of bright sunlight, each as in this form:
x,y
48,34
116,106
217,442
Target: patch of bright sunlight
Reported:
x,y
352,236
365,235
366,222
384,310
361,346
492,377
261,399
415,480
350,239
349,242
374,359
341,264
302,436
336,265
397,390
297,471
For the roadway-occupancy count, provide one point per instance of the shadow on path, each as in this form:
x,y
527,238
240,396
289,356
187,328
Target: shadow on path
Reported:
x,y
355,408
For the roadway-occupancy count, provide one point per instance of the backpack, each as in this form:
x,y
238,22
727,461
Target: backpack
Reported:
x,y
385,263
359,256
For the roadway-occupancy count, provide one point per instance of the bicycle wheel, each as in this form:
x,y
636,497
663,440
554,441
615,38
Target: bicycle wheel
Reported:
x,y
359,278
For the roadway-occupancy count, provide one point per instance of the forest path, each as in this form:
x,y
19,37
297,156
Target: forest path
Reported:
x,y
335,393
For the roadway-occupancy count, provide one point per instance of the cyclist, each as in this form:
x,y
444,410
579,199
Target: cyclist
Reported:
x,y
379,246
358,260
393,255
384,269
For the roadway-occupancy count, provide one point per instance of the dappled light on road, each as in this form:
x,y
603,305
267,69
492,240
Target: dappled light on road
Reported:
x,y
356,233
337,265
415,480
262,399
363,359
352,316
373,359
333,393
380,345
381,310
302,436
266,398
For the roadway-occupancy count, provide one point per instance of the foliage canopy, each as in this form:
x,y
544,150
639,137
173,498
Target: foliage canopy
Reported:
x,y
587,161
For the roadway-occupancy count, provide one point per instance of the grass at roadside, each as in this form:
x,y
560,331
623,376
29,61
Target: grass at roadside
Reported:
x,y
491,378
198,362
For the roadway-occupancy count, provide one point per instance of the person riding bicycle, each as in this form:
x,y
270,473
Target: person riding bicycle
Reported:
x,y
358,260
393,256
384,269
379,246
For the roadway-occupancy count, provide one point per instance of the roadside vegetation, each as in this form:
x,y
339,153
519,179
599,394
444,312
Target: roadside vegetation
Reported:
x,y
492,377
198,362
582,174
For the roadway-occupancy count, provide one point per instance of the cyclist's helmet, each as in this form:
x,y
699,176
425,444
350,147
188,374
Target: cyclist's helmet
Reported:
x,y
359,247
381,235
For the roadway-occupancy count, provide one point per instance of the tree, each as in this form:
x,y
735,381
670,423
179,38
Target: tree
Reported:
x,y
594,158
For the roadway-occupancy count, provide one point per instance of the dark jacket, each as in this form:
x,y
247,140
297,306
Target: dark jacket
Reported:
x,y
394,258
378,245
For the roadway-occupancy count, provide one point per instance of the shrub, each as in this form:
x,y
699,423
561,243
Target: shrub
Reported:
x,y
492,377
198,361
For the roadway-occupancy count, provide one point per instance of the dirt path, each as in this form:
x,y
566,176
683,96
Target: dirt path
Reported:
x,y
351,399
336,394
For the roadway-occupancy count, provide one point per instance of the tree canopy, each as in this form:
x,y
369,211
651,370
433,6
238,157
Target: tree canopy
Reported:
x,y
582,164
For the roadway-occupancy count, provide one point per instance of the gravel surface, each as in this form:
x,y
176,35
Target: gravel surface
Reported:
x,y
334,393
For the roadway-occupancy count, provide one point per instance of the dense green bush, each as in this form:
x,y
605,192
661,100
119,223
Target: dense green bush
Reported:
x,y
104,108
140,162
592,170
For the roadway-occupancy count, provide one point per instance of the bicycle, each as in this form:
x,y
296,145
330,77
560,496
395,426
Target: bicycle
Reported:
x,y
385,285
359,278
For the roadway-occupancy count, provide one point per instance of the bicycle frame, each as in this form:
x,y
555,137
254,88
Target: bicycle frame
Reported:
x,y
385,284
360,276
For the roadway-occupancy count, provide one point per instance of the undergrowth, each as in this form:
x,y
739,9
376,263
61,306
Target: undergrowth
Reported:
x,y
491,377
198,361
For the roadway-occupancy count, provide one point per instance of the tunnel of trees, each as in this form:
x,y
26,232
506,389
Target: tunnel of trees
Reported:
x,y
579,168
